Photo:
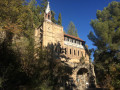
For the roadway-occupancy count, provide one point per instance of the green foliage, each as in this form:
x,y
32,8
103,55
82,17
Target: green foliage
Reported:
x,y
72,30
59,19
53,72
10,68
10,12
59,22
43,5
19,67
106,38
36,16
53,17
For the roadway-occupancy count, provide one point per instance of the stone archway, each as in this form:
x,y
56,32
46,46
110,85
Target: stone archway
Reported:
x,y
82,78
82,70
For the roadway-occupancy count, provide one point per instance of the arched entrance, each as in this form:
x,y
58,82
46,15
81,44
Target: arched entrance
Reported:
x,y
82,78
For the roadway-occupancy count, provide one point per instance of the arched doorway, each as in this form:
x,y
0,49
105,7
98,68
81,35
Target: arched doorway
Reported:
x,y
82,78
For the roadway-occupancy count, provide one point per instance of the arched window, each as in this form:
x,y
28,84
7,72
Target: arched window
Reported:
x,y
65,50
70,51
48,16
74,52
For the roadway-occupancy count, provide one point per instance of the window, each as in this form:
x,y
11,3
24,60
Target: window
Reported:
x,y
73,41
65,50
70,40
78,52
74,52
76,42
48,16
70,51
83,43
67,39
79,43
82,54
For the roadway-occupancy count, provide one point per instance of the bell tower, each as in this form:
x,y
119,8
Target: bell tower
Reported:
x,y
47,14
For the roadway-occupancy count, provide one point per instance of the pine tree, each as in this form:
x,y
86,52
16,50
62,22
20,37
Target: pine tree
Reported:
x,y
72,30
35,13
59,19
106,38
43,5
53,17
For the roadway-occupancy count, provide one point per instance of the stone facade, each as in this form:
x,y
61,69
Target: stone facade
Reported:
x,y
73,48
52,33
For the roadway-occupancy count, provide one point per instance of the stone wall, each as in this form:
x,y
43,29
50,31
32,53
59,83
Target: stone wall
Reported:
x,y
75,53
52,33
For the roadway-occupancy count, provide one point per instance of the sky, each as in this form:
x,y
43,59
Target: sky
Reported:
x,y
80,12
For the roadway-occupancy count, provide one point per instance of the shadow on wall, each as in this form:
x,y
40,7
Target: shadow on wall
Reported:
x,y
59,71
56,53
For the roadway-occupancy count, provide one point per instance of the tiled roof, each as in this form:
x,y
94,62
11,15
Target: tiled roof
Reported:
x,y
73,37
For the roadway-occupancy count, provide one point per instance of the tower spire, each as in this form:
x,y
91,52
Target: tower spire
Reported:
x,y
47,14
47,9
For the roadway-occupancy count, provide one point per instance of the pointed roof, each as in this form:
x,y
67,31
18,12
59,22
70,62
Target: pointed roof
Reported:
x,y
47,9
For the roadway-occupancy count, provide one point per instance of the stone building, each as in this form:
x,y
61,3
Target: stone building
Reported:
x,y
73,48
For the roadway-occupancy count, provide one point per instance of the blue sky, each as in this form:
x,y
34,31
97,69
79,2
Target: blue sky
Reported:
x,y
80,12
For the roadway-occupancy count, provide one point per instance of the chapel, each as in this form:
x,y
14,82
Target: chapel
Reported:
x,y
74,52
